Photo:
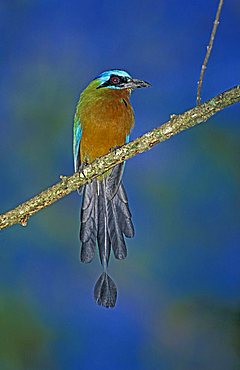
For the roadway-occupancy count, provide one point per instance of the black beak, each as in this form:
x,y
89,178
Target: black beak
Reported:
x,y
136,84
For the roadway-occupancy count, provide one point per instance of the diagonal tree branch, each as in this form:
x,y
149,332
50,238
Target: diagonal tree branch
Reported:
x,y
176,124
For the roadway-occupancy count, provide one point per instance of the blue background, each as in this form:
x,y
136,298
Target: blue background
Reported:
x,y
179,299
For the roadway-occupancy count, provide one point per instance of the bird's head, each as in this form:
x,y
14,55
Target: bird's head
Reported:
x,y
118,80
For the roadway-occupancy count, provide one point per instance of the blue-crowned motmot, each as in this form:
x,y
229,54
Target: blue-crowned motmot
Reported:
x,y
103,120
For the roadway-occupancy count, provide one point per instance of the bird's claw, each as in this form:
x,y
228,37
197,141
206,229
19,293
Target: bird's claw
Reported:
x,y
114,149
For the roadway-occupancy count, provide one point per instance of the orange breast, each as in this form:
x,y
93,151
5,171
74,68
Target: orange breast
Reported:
x,y
106,120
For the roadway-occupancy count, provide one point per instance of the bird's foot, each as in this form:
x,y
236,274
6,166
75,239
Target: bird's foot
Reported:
x,y
81,172
114,149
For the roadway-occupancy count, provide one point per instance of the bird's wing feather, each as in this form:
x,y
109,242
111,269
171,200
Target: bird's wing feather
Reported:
x,y
77,134
115,177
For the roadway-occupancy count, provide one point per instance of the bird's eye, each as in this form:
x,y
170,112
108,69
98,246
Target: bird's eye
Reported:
x,y
115,80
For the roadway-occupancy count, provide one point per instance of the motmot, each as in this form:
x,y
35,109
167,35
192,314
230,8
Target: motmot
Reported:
x,y
103,120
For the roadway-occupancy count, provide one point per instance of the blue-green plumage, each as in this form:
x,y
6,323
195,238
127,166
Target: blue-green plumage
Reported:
x,y
77,134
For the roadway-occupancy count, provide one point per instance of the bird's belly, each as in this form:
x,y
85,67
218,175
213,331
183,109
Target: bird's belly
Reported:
x,y
104,127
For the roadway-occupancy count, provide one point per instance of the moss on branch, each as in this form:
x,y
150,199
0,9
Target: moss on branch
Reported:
x,y
175,125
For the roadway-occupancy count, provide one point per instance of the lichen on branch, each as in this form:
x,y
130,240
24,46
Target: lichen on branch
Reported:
x,y
68,184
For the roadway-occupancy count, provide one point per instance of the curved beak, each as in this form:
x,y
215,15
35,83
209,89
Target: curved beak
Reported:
x,y
136,84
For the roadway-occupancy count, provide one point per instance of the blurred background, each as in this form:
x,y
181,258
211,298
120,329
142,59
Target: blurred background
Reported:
x,y
179,289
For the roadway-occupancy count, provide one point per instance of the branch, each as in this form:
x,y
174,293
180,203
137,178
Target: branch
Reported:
x,y
209,49
176,124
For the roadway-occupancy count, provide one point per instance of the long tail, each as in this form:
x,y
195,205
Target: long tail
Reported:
x,y
105,220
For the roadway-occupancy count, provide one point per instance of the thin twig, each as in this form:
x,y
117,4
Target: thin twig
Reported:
x,y
209,49
176,124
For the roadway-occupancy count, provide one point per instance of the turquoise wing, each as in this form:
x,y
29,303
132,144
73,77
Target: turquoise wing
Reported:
x,y
77,135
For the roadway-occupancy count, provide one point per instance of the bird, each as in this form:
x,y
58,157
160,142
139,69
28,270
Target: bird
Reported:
x,y
103,120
